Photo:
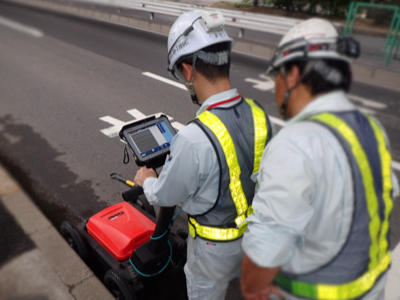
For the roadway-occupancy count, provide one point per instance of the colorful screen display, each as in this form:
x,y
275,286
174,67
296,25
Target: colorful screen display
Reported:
x,y
151,139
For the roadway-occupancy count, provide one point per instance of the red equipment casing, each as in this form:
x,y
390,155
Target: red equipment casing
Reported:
x,y
120,229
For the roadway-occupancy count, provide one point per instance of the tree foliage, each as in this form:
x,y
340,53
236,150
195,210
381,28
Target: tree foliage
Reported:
x,y
334,8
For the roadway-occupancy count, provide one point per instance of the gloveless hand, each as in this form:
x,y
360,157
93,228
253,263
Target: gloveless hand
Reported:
x,y
142,174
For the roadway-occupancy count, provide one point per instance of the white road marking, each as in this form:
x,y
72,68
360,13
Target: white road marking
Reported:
x,y
20,27
395,165
366,102
277,121
140,116
113,131
266,85
163,79
365,110
136,114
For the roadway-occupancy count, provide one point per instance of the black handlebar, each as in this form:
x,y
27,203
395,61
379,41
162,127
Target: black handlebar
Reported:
x,y
133,193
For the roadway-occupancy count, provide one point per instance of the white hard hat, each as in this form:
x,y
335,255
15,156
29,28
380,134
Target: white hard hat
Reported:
x,y
314,39
194,31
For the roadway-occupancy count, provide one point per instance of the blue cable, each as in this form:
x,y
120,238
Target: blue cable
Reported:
x,y
169,226
147,275
170,248
160,236
177,214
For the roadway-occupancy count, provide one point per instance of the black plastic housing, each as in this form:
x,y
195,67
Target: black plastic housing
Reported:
x,y
147,262
155,160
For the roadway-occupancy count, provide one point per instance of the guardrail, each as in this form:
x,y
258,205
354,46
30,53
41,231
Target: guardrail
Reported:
x,y
240,20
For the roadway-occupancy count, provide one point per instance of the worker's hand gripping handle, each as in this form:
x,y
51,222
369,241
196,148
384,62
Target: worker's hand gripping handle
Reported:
x,y
133,193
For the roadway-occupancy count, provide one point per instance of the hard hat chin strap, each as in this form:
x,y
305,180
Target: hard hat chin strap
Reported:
x,y
193,95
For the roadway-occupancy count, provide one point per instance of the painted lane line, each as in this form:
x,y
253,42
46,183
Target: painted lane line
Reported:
x,y
136,114
365,110
366,102
20,27
140,116
277,121
264,85
267,84
181,86
114,130
163,79
395,165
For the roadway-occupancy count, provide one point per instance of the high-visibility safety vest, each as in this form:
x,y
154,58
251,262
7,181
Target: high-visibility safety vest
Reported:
x,y
239,135
365,255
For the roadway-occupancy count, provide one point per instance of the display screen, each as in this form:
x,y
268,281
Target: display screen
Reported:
x,y
152,139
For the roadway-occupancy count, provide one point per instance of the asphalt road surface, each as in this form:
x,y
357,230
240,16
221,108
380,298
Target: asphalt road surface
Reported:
x,y
65,82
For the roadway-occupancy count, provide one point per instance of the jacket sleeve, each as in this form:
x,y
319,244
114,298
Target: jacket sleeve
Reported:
x,y
179,178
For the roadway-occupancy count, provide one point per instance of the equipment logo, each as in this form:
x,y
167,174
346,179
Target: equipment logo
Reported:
x,y
113,217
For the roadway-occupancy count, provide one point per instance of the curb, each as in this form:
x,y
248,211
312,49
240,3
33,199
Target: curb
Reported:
x,y
74,280
363,71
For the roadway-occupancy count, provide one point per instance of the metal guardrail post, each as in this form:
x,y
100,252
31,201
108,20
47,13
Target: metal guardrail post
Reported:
x,y
394,37
349,18
398,40
391,37
151,16
354,17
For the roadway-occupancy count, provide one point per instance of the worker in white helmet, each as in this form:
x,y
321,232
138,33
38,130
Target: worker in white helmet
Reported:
x,y
320,228
213,158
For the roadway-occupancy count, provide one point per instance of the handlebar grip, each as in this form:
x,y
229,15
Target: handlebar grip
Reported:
x,y
133,193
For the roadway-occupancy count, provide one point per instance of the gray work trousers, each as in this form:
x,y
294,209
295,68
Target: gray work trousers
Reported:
x,y
210,266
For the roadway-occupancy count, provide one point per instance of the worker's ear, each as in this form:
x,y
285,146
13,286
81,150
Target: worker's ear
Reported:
x,y
187,71
293,76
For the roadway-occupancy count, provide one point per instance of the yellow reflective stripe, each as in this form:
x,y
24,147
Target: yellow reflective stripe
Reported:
x,y
361,158
387,186
241,218
215,233
250,210
226,142
260,132
192,230
357,287
351,290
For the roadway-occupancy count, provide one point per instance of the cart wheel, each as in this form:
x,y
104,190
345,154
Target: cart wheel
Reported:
x,y
145,205
74,239
118,285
